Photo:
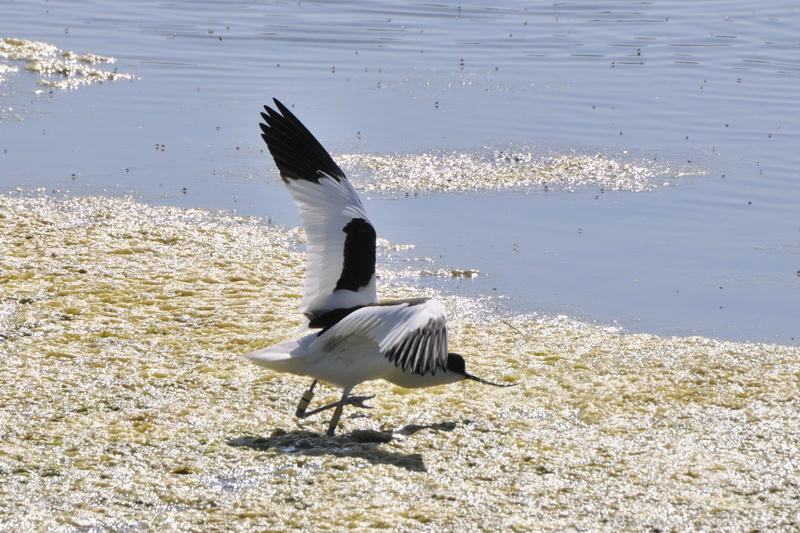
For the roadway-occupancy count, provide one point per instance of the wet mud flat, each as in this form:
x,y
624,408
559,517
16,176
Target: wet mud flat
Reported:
x,y
123,405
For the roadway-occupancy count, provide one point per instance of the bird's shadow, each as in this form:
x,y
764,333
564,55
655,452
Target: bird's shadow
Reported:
x,y
363,443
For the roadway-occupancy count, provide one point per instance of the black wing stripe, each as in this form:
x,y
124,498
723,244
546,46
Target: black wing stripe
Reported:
x,y
422,350
413,355
358,266
442,350
330,318
423,363
418,363
297,153
402,358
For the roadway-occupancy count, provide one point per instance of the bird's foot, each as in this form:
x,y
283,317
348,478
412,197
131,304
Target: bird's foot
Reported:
x,y
358,401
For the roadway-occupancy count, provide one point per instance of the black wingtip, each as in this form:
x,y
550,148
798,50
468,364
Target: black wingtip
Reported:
x,y
282,108
297,153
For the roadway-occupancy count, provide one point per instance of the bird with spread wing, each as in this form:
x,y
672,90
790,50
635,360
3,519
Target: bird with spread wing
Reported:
x,y
358,338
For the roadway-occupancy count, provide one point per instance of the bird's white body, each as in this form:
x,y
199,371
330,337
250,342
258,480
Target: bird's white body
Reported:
x,y
355,349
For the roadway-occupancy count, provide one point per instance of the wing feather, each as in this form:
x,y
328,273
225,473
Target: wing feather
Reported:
x,y
411,334
340,258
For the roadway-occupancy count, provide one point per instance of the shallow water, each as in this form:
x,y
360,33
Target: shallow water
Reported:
x,y
122,407
560,176
704,91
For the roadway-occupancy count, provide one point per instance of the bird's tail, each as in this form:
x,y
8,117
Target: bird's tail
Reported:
x,y
283,357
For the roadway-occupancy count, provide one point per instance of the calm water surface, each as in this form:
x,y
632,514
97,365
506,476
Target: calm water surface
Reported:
x,y
122,406
675,82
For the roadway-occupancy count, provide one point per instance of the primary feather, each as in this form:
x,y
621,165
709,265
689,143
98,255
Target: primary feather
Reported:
x,y
340,256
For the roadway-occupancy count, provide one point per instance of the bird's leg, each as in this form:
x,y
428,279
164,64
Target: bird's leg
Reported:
x,y
304,401
357,401
338,412
301,412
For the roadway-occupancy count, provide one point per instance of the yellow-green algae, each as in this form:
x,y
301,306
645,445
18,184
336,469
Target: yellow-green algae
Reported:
x,y
123,406
516,168
63,70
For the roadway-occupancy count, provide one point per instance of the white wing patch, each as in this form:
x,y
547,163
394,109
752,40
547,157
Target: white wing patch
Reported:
x,y
340,269
325,209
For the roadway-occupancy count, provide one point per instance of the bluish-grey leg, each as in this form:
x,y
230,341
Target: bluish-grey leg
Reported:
x,y
338,412
357,401
304,401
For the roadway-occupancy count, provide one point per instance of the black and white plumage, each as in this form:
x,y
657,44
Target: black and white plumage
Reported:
x,y
360,339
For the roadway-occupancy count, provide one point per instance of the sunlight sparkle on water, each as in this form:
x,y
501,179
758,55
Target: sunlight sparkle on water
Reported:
x,y
62,70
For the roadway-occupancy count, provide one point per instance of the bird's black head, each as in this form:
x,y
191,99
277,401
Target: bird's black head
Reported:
x,y
455,363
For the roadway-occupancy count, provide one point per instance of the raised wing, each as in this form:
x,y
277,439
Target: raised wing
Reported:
x,y
409,333
340,257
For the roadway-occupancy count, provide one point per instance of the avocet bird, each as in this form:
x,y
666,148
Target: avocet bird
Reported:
x,y
359,339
